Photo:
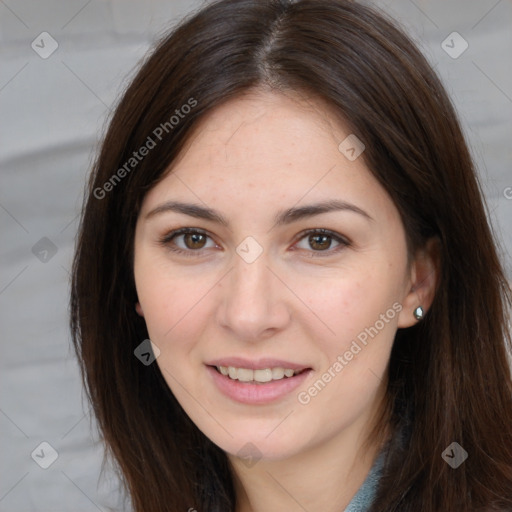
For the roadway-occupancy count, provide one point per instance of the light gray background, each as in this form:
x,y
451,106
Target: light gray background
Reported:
x,y
53,112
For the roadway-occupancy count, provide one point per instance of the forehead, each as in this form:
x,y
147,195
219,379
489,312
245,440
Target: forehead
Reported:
x,y
269,128
267,147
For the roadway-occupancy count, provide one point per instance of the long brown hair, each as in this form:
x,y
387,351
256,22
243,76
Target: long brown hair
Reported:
x,y
449,377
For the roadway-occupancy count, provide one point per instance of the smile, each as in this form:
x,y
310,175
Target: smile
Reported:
x,y
258,375
256,386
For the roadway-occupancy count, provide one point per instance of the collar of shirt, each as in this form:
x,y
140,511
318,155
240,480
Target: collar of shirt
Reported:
x,y
365,495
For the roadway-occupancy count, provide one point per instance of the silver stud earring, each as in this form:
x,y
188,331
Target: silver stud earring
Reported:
x,y
418,313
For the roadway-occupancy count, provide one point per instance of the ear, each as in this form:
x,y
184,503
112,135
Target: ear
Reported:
x,y
424,276
138,308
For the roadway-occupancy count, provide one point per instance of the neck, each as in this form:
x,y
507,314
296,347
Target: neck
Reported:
x,y
325,477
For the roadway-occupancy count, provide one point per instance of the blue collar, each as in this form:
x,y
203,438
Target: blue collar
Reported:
x,y
364,497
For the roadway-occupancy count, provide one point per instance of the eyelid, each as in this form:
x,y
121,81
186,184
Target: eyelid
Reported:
x,y
166,239
182,231
342,240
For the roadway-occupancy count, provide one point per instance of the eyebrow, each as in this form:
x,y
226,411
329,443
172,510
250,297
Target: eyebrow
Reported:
x,y
281,218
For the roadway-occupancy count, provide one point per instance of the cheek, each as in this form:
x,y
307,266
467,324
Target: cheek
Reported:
x,y
344,306
173,303
361,313
363,317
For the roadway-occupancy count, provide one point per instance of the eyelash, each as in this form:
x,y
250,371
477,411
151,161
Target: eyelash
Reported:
x,y
169,237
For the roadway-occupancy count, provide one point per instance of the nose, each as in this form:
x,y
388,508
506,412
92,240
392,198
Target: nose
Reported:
x,y
253,303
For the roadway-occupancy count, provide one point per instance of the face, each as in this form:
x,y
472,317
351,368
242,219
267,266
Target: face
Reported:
x,y
267,250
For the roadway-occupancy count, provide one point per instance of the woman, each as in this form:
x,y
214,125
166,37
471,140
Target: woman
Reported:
x,y
284,204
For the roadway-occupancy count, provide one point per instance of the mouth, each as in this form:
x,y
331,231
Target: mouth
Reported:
x,y
258,376
256,383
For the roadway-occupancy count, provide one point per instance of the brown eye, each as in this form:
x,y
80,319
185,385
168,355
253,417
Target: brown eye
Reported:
x,y
187,241
194,240
320,242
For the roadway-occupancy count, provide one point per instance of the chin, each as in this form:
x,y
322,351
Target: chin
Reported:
x,y
257,447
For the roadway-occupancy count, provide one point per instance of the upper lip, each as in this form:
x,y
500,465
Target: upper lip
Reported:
x,y
257,364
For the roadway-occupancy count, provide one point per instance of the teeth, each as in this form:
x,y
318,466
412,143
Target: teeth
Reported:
x,y
277,373
261,375
242,374
264,375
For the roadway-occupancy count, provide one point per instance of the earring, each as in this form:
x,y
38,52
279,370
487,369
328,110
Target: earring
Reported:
x,y
418,313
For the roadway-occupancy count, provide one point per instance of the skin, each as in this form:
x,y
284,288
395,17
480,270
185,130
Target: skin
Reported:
x,y
251,158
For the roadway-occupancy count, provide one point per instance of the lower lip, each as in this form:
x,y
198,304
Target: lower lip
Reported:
x,y
256,394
